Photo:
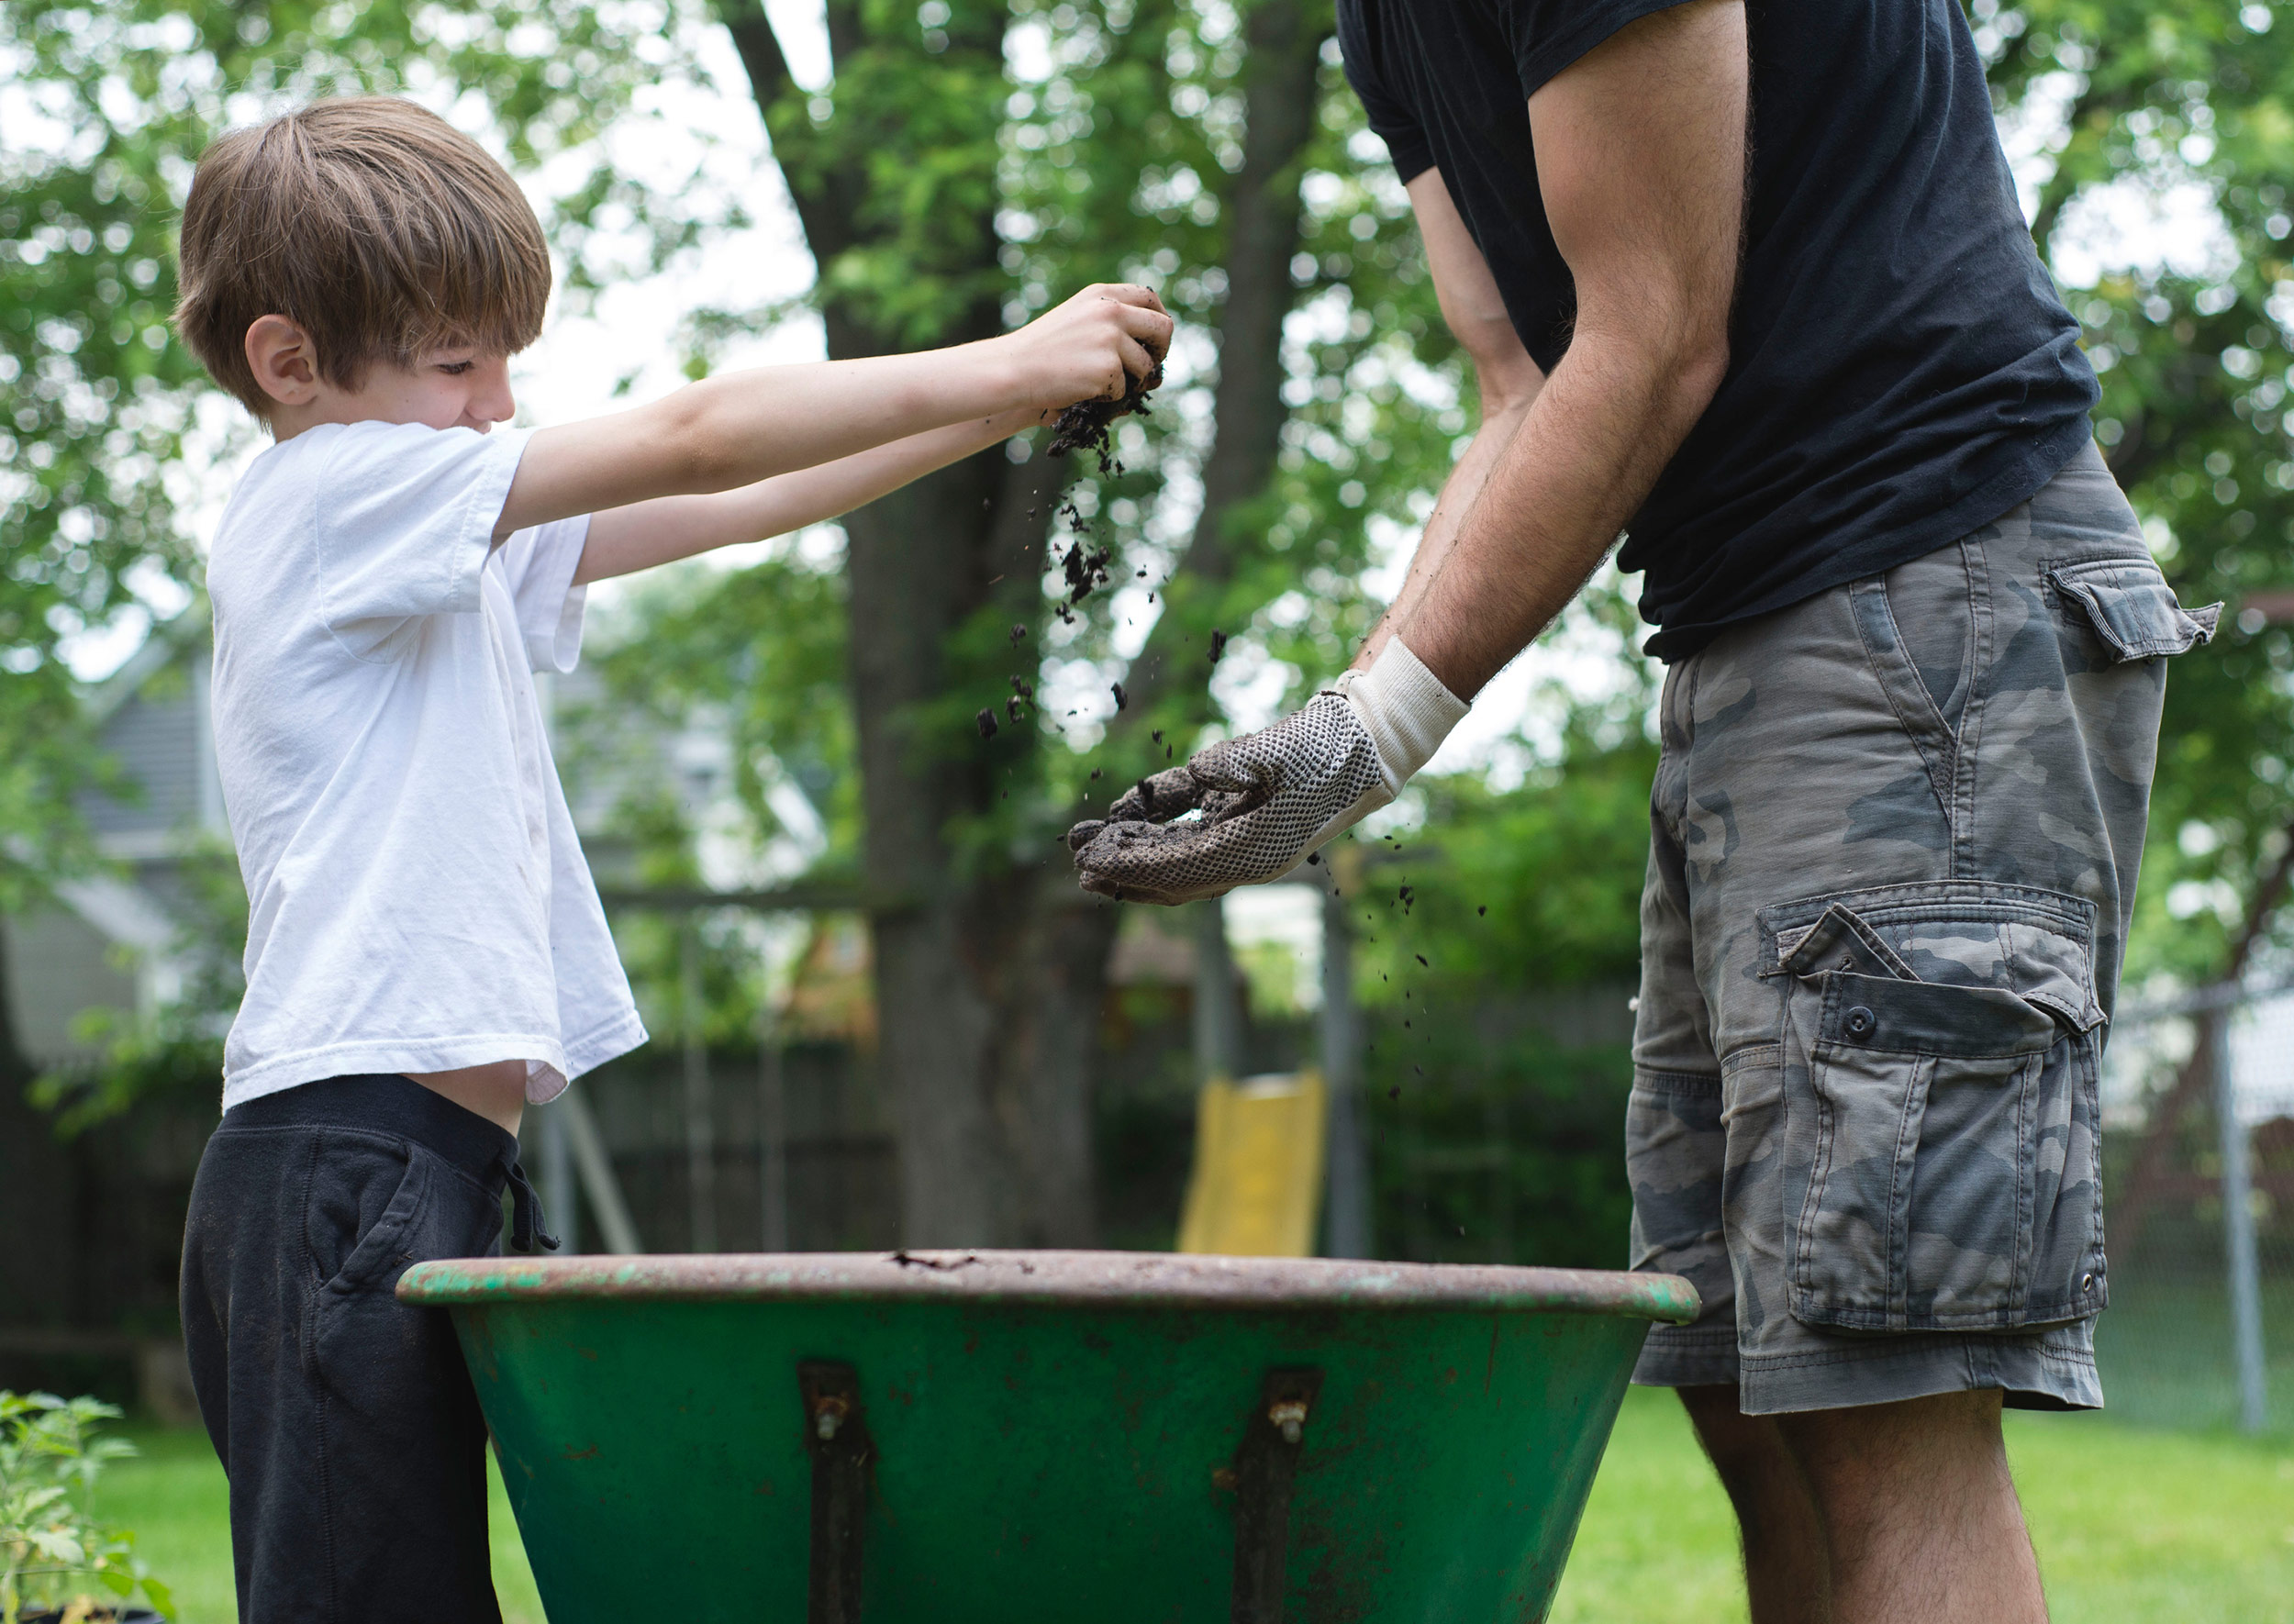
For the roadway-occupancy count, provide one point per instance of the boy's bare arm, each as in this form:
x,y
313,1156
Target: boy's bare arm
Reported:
x,y
623,540
741,428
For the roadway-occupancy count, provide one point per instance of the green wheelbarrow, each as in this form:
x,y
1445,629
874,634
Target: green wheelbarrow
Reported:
x,y
938,1437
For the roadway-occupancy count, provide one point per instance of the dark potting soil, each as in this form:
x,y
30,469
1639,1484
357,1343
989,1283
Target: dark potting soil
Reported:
x,y
1085,426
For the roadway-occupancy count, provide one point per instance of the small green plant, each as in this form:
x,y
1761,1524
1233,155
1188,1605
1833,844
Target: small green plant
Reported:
x,y
50,1544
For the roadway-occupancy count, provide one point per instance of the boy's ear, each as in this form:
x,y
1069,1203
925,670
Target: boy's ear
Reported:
x,y
284,359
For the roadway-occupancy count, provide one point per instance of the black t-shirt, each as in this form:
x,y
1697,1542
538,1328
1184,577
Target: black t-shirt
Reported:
x,y
1900,370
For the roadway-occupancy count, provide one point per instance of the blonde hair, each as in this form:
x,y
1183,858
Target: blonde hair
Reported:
x,y
371,224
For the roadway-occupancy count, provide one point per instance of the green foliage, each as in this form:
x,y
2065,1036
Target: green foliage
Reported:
x,y
51,1546
174,1051
2195,367
102,403
1497,951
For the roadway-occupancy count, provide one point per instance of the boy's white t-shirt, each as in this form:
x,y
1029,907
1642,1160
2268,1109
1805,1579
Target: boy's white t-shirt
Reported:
x,y
417,896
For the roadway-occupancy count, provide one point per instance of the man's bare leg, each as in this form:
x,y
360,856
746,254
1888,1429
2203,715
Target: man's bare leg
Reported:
x,y
1786,1571
1921,1520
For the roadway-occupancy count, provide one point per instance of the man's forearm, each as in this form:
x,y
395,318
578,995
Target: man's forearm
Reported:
x,y
1499,424
625,539
1586,453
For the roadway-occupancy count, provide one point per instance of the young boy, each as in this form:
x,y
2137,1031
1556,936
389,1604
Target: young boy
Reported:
x,y
426,953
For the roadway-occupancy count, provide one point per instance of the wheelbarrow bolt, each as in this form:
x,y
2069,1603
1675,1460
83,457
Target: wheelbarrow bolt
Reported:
x,y
828,1410
1289,1418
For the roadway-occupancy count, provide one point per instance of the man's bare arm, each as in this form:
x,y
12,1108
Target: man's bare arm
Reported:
x,y
625,539
1640,160
1508,378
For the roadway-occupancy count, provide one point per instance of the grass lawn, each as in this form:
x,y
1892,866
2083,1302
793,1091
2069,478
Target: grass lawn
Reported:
x,y
2130,1524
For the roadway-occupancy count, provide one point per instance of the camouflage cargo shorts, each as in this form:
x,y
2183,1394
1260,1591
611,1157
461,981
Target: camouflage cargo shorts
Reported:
x,y
1895,832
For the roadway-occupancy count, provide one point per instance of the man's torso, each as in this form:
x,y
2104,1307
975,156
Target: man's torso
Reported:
x,y
1901,370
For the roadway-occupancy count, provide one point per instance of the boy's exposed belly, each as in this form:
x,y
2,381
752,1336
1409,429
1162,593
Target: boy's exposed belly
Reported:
x,y
496,1090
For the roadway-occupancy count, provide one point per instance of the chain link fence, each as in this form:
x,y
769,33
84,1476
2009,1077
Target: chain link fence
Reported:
x,y
2199,1169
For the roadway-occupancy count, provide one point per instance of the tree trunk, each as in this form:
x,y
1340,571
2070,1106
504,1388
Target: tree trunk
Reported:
x,y
989,983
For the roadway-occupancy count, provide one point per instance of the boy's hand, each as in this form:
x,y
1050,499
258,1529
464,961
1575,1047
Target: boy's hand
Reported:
x,y
1090,346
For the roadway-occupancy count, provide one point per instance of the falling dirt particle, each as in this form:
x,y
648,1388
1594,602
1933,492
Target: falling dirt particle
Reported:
x,y
1421,959
1394,1093
1407,894
1011,707
1157,735
986,722
1218,644
1313,858
1019,633
1094,772
1483,909
1167,753
1142,575
1406,1023
1122,700
1084,570
1007,792
1021,686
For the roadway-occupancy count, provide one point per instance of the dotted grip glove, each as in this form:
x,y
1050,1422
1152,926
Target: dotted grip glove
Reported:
x,y
1252,808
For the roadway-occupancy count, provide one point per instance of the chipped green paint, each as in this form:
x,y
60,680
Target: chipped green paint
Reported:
x,y
1048,1426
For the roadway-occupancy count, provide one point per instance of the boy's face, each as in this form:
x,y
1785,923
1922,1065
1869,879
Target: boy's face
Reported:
x,y
455,386
452,388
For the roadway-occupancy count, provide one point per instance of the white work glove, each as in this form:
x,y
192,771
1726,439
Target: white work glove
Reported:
x,y
1269,798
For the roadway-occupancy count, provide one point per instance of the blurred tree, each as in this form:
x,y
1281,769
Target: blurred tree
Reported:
x,y
2128,108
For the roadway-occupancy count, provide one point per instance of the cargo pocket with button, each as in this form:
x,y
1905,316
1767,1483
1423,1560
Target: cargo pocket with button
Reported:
x,y
1950,1115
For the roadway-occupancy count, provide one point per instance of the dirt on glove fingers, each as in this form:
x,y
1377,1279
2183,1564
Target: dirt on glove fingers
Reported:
x,y
1158,797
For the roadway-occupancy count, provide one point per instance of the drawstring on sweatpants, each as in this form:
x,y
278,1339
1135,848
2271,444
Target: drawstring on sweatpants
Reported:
x,y
527,1223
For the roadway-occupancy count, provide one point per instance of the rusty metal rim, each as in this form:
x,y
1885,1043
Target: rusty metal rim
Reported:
x,y
1101,1279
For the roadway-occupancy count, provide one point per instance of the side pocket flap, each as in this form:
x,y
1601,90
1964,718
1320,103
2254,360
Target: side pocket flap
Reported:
x,y
1920,1018
2132,609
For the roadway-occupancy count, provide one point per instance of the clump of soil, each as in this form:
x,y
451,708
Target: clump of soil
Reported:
x,y
986,722
1218,644
1085,569
1085,426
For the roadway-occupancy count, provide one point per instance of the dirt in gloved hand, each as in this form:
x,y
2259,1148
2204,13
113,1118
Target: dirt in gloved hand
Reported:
x,y
1087,425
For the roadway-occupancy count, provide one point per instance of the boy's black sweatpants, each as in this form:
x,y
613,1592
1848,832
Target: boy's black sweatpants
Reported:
x,y
346,1419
